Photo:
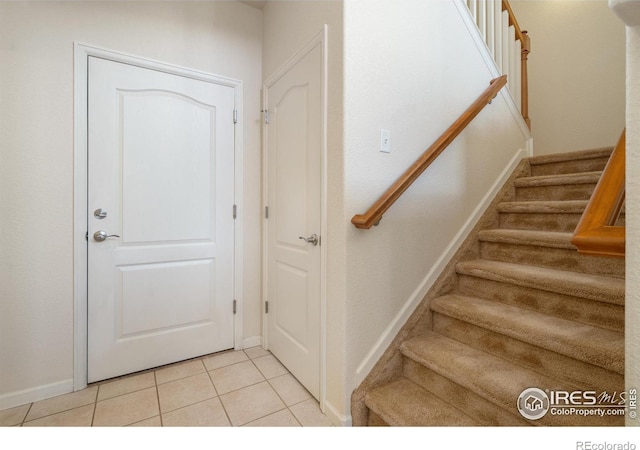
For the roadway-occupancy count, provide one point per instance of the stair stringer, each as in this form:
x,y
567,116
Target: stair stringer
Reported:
x,y
389,365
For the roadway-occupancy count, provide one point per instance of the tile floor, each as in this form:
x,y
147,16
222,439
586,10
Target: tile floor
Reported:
x,y
235,388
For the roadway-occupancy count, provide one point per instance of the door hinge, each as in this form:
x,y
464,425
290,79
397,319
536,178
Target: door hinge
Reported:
x,y
235,116
235,211
266,116
86,236
235,303
266,307
266,212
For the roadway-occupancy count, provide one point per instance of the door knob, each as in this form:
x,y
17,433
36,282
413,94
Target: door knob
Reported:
x,y
102,235
313,239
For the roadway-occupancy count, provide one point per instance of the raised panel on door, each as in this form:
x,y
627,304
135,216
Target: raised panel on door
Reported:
x,y
161,155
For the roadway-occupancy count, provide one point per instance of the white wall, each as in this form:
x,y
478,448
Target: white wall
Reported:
x,y
632,299
36,158
629,12
576,73
288,25
411,67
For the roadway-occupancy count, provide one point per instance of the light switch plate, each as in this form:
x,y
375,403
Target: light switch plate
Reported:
x,y
385,141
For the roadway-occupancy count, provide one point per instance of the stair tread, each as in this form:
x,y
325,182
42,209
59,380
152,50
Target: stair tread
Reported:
x,y
544,206
593,287
559,180
554,239
492,378
404,403
583,342
602,152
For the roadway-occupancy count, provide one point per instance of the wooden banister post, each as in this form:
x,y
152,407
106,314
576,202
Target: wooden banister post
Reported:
x,y
525,45
526,49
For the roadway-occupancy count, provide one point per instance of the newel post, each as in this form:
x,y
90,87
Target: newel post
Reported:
x,y
526,49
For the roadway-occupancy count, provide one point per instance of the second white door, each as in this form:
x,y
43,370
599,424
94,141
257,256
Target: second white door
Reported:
x,y
160,218
294,142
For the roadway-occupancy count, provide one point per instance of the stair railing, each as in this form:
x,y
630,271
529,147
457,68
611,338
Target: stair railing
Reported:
x,y
375,212
508,44
596,233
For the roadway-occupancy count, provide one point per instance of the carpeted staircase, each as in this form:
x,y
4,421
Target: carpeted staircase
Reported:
x,y
519,308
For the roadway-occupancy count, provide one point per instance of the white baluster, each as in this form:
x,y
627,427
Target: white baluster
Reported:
x,y
497,20
491,27
482,18
473,9
505,45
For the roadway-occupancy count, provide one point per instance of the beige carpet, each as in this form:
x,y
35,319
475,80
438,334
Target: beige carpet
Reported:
x,y
517,308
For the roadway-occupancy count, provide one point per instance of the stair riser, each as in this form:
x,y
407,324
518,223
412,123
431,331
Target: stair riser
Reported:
x,y
566,167
582,375
404,403
484,411
556,258
600,314
559,193
375,420
541,222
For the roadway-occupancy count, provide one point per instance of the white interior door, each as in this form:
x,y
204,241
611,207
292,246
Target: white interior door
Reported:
x,y
161,187
294,138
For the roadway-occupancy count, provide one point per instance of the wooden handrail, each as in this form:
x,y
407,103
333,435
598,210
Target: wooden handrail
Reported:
x,y
374,213
596,234
525,49
506,6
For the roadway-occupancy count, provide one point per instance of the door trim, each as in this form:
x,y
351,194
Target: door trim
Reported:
x,y
320,39
80,158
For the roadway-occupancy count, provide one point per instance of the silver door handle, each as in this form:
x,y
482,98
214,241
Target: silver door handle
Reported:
x,y
313,239
102,235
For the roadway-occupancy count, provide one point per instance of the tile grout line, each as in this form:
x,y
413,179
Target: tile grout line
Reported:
x,y
286,407
155,384
24,419
219,397
285,403
95,406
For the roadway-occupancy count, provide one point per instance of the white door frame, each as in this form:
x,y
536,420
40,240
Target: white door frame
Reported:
x,y
80,150
318,39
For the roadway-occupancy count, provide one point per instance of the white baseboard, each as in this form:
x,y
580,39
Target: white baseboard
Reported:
x,y
18,398
335,417
416,297
252,341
